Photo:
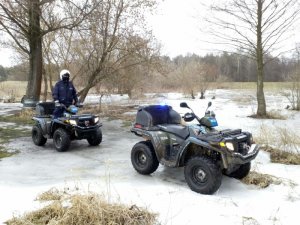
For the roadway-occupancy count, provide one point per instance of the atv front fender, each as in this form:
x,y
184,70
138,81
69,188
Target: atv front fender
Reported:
x,y
198,142
42,123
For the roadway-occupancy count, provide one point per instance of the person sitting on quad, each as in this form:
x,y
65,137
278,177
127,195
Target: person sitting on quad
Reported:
x,y
64,93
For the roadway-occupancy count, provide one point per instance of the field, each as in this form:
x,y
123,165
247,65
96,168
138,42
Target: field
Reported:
x,y
17,89
12,90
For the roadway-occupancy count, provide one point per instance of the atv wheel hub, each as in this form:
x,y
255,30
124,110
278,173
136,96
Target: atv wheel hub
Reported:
x,y
200,175
142,158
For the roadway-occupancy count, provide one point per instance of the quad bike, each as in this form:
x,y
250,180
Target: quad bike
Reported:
x,y
64,129
204,152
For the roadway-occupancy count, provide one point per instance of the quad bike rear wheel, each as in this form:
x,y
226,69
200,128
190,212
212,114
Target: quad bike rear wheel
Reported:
x,y
61,140
203,175
143,158
96,138
37,136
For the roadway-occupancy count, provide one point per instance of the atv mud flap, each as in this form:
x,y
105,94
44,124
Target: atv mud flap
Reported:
x,y
237,158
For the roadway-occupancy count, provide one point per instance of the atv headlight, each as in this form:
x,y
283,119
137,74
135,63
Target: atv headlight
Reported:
x,y
229,146
251,140
73,122
96,119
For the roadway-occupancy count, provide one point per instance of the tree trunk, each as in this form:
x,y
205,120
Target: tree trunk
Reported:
x,y
45,86
261,102
192,94
51,82
91,83
83,93
129,93
33,90
202,95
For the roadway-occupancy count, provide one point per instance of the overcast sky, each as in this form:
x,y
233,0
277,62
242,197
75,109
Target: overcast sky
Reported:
x,y
180,26
173,25
176,26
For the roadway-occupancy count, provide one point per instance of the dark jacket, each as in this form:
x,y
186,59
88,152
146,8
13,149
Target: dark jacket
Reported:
x,y
65,93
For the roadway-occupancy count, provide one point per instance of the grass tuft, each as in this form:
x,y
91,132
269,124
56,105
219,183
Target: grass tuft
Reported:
x,y
50,195
272,115
260,180
86,210
283,157
282,144
23,117
4,153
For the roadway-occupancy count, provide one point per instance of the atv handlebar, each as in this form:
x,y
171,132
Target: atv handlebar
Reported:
x,y
184,105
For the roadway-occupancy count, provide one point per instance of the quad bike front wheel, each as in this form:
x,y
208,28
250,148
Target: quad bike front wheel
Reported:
x,y
203,175
241,172
96,138
143,158
61,140
37,136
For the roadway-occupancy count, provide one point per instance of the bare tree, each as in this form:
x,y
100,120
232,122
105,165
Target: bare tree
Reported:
x,y
104,40
28,21
293,92
59,52
258,27
207,75
192,77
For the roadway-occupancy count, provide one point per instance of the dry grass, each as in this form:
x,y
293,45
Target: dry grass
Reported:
x,y
282,144
279,139
50,195
89,209
14,89
244,100
22,117
260,180
278,156
272,86
4,154
249,221
273,114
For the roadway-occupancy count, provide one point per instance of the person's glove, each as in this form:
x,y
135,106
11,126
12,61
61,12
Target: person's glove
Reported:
x,y
57,104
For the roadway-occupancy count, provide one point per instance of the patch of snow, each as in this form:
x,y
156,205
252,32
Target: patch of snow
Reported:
x,y
7,108
95,99
107,170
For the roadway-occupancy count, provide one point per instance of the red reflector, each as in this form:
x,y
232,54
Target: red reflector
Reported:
x,y
137,125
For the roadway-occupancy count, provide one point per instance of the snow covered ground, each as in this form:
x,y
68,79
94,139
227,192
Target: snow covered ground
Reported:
x,y
8,108
107,169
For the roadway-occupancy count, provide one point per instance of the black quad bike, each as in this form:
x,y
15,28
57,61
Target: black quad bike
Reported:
x,y
204,152
64,129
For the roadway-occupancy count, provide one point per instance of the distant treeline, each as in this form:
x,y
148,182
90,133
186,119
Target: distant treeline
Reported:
x,y
240,68
223,67
14,73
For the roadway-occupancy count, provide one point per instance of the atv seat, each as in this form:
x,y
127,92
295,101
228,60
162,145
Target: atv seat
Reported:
x,y
45,108
150,117
178,130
